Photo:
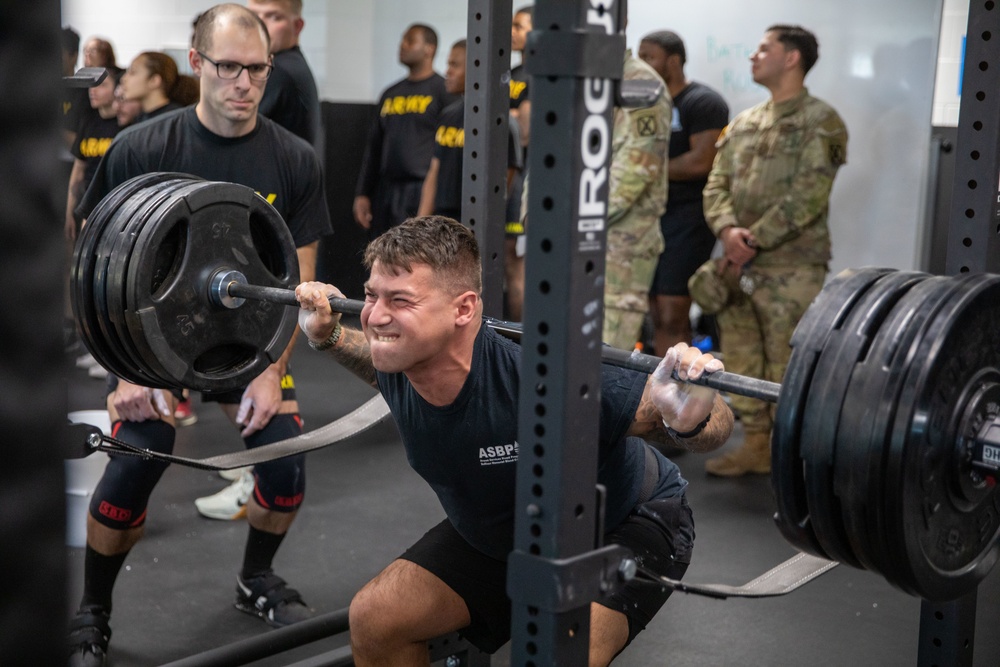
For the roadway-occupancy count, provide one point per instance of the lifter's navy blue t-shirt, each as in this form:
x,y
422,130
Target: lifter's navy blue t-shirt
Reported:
x,y
278,165
467,451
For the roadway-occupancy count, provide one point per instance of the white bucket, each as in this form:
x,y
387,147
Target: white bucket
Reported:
x,y
82,476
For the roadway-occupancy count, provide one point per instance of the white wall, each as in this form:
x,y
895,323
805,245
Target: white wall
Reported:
x,y
877,67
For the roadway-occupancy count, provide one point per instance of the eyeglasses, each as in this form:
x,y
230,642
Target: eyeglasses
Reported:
x,y
226,69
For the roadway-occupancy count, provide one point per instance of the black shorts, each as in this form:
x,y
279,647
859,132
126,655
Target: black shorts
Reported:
x,y
688,243
660,533
226,397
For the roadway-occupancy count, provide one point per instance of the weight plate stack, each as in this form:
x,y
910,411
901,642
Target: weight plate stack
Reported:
x,y
866,419
82,296
943,522
195,342
845,344
831,307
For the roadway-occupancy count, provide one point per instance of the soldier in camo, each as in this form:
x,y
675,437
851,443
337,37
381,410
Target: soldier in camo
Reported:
x,y
767,200
636,199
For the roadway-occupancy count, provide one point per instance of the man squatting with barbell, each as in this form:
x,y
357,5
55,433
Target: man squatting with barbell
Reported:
x,y
221,139
452,386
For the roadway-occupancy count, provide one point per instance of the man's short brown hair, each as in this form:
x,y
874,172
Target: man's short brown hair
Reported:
x,y
445,245
204,27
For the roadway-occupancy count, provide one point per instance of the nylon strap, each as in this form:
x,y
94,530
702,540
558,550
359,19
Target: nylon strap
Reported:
x,y
361,419
784,578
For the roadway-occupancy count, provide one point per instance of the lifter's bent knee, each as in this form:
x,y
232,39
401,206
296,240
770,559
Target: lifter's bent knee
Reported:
x,y
376,637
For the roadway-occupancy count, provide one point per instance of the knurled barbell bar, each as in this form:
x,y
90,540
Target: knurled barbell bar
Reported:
x,y
886,439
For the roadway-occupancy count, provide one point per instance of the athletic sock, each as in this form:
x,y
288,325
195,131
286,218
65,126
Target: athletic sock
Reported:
x,y
99,575
261,547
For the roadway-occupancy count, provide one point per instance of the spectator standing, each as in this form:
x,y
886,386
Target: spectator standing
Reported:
x,y
767,200
699,114
401,141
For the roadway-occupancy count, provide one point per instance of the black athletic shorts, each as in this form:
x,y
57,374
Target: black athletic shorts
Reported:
x,y
227,397
688,243
659,532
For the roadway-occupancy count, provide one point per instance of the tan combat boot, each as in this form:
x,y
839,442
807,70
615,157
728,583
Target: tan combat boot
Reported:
x,y
753,456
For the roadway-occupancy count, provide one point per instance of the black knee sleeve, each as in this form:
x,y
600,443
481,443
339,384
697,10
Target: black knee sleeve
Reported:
x,y
280,484
119,502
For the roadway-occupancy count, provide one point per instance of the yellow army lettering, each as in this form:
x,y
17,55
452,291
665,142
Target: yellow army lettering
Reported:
x,y
400,105
94,147
516,88
270,198
450,137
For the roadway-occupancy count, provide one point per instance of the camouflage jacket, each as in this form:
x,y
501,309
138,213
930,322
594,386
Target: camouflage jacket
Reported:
x,y
637,193
773,174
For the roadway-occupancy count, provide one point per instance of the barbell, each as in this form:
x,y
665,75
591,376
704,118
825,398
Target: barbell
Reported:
x,y
887,426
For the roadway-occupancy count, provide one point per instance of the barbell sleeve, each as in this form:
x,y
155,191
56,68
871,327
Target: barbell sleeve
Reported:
x,y
287,297
645,363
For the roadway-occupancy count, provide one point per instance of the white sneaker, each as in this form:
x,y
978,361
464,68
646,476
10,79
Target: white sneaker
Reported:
x,y
234,474
86,361
230,503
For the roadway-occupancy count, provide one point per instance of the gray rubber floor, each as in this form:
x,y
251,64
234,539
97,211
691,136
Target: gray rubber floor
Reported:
x,y
364,506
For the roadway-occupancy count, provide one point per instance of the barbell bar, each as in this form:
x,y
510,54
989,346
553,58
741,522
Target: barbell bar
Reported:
x,y
228,286
886,439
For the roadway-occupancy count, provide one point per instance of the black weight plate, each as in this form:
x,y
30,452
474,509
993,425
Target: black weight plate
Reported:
x,y
121,364
83,265
201,345
869,407
831,306
947,541
845,344
149,213
141,205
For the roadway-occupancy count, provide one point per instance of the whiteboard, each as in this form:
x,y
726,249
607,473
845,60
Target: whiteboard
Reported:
x,y
876,67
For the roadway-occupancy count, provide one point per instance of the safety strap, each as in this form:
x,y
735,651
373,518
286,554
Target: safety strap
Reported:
x,y
784,578
361,419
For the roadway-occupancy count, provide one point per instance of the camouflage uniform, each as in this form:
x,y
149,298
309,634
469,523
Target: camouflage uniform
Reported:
x,y
773,174
637,197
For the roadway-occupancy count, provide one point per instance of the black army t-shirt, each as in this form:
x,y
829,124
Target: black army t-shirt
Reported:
x,y
401,140
93,137
278,165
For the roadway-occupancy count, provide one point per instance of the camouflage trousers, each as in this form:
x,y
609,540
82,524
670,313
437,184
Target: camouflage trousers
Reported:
x,y
626,299
756,329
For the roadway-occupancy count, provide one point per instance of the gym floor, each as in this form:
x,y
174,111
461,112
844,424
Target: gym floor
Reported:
x,y
365,506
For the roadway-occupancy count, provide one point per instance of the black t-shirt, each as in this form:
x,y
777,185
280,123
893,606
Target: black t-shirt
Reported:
x,y
93,137
281,167
449,147
518,86
401,139
290,97
696,108
467,451
157,112
75,107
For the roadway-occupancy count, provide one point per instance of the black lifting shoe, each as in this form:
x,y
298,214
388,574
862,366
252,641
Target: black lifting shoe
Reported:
x,y
268,596
89,634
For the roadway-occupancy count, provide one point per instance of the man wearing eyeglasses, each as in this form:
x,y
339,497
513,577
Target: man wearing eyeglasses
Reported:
x,y
222,138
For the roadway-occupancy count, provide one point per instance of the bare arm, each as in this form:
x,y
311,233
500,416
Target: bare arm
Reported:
x,y
429,190
75,178
523,115
318,321
263,397
697,162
